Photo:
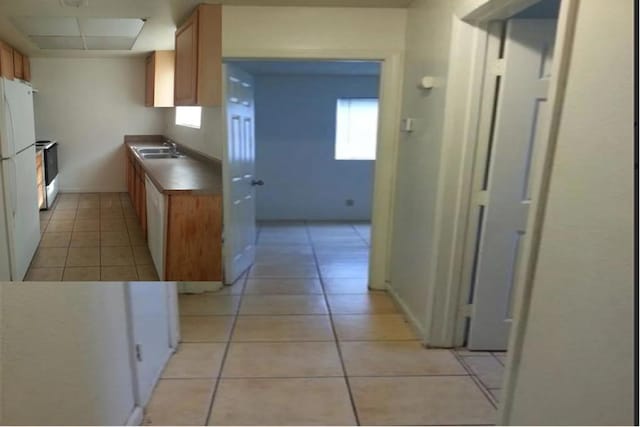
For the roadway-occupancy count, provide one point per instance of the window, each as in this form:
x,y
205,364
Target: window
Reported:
x,y
189,116
356,129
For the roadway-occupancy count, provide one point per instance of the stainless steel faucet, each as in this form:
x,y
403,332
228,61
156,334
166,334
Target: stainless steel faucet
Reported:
x,y
171,143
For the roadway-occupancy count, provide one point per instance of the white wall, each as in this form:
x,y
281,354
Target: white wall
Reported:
x,y
207,140
413,254
255,32
65,355
256,29
577,363
88,105
295,147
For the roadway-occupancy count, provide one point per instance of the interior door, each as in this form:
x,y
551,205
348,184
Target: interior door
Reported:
x,y
150,315
239,174
520,114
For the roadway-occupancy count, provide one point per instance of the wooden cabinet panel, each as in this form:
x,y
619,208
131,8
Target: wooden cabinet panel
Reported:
x,y
136,189
160,67
18,70
193,244
6,61
194,238
198,69
150,66
210,55
26,68
186,74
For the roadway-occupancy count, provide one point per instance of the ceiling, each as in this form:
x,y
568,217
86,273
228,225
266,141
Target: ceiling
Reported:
x,y
338,68
158,31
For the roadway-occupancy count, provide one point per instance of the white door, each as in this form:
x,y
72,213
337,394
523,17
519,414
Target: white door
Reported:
x,y
239,174
520,114
150,318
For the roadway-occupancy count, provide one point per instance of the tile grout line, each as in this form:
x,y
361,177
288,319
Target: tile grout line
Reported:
x,y
126,228
64,268
483,388
310,376
333,327
225,354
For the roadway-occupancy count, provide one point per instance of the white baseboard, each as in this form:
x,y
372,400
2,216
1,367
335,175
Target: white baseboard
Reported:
x,y
417,327
93,190
198,287
136,417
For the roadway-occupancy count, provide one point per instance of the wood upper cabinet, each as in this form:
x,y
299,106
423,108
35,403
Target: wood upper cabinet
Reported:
x,y
26,68
6,61
198,60
18,69
159,71
13,64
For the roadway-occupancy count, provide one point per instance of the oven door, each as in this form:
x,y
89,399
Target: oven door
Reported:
x,y
51,164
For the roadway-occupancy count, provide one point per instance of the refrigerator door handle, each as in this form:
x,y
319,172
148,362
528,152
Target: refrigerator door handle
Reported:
x,y
14,187
13,130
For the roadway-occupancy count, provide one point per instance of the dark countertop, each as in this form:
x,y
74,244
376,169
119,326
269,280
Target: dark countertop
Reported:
x,y
195,173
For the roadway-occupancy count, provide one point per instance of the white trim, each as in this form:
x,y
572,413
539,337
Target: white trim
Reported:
x,y
136,417
484,91
198,287
390,95
455,193
539,188
482,11
415,324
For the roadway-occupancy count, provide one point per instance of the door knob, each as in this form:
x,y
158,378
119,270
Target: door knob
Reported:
x,y
257,182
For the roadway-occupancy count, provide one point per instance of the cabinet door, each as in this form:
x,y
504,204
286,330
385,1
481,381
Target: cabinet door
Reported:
x,y
150,80
6,61
18,70
26,68
187,62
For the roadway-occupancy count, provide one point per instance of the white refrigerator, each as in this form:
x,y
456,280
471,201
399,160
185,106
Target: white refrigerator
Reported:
x,y
19,211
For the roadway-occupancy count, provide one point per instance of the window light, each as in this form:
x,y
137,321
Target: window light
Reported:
x,y
356,129
189,117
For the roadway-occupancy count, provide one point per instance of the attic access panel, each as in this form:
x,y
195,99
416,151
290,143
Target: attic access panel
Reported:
x,y
77,33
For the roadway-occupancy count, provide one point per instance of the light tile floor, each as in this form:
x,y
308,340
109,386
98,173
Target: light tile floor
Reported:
x,y
91,237
300,340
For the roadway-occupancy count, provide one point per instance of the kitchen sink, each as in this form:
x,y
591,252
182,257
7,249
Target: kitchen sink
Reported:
x,y
163,155
159,150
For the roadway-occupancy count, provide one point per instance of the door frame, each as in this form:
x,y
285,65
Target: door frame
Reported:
x,y
447,302
390,95
447,305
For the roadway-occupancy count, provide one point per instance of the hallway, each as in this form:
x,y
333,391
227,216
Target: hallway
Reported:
x,y
300,340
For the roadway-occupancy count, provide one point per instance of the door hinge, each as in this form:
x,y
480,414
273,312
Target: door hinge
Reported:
x,y
138,353
498,67
482,198
466,310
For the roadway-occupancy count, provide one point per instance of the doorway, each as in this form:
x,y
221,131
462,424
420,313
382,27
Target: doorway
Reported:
x,y
513,115
305,166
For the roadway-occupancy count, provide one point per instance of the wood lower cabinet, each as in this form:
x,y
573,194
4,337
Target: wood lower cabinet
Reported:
x,y
198,58
194,238
136,188
183,228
